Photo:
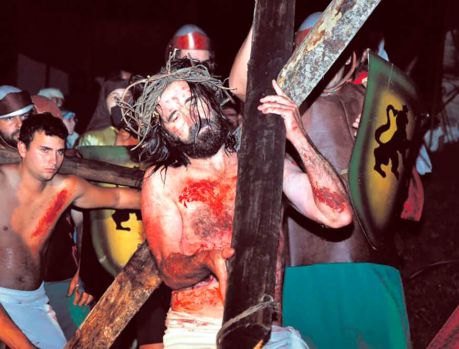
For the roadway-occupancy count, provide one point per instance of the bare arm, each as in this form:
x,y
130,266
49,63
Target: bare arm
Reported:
x,y
76,284
92,196
10,334
318,194
163,228
238,74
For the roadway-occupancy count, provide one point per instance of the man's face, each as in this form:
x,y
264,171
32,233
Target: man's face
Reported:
x,y
113,97
9,128
44,156
196,130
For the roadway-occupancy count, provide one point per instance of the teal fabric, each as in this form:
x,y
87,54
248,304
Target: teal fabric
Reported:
x,y
69,315
346,306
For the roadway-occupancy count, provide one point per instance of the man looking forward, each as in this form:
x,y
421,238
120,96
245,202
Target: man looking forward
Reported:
x,y
34,196
188,195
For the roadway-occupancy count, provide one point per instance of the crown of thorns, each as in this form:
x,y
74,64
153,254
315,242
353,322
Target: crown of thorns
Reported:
x,y
142,114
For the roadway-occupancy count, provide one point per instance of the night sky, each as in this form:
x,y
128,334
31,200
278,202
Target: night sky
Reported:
x,y
87,39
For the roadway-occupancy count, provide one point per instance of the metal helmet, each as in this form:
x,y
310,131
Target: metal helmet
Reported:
x,y
189,37
306,27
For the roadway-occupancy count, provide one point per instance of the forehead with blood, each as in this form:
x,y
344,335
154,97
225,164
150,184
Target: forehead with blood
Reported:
x,y
177,97
174,98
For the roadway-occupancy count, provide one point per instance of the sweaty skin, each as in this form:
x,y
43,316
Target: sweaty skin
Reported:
x,y
188,211
33,198
195,218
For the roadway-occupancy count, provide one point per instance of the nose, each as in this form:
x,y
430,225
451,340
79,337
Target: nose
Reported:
x,y
54,159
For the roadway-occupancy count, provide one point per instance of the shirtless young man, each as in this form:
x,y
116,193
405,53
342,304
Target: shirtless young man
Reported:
x,y
188,196
33,198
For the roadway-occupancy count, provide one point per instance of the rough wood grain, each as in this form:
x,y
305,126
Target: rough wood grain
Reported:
x,y
92,170
257,220
128,292
323,45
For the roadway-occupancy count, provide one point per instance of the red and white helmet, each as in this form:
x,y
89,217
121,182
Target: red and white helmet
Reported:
x,y
189,37
306,27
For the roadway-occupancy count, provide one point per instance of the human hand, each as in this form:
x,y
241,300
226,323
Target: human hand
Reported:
x,y
81,297
282,105
216,262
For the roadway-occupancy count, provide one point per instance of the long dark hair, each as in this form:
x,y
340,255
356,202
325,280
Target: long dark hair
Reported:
x,y
159,149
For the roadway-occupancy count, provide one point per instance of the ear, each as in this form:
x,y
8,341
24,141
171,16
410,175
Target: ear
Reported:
x,y
22,149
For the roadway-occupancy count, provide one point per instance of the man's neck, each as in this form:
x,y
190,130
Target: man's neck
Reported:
x,y
218,162
28,182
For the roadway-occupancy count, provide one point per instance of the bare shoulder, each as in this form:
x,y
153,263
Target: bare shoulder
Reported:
x,y
73,184
66,180
164,181
8,174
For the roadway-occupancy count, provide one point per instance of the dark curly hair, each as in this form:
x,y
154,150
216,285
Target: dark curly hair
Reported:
x,y
44,122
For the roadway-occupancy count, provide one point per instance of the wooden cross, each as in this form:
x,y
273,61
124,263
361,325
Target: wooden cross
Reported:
x,y
321,48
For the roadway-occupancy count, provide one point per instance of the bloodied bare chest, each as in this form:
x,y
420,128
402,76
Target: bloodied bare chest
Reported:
x,y
207,208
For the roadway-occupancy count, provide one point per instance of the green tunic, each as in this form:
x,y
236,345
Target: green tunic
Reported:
x,y
346,306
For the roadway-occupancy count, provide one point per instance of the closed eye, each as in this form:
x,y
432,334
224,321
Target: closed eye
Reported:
x,y
172,117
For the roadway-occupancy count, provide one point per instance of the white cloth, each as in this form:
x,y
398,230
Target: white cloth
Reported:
x,y
185,331
31,312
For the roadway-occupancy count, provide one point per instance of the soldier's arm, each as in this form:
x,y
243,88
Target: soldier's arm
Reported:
x,y
93,196
317,193
10,334
238,75
163,228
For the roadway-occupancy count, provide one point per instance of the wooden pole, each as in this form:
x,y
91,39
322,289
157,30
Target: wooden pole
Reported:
x,y
257,221
92,170
335,29
448,336
120,302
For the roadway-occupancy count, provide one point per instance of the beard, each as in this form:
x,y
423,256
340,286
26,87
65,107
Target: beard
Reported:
x,y
205,140
11,140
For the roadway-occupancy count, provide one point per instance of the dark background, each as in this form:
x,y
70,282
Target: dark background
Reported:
x,y
89,39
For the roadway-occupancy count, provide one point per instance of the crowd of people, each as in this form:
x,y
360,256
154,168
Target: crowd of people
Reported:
x,y
337,291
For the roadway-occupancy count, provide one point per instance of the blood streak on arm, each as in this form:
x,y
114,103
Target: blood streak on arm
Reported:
x,y
51,214
329,198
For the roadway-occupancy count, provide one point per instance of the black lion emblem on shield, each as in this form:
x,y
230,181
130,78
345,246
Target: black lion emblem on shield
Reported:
x,y
122,216
398,144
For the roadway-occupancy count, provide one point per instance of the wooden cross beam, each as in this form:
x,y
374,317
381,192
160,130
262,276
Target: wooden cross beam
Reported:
x,y
334,30
120,302
92,170
258,206
257,220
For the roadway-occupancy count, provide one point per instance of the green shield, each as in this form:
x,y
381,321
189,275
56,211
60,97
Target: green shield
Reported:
x,y
385,149
116,234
